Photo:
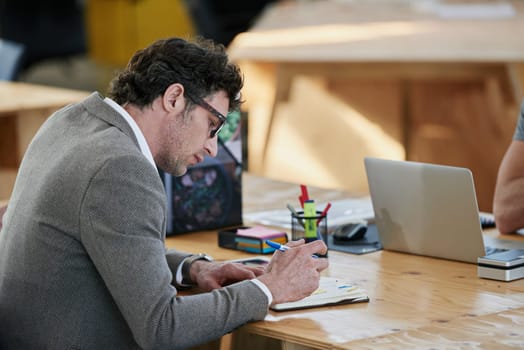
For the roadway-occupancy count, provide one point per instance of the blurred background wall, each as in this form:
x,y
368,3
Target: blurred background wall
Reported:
x,y
79,43
310,120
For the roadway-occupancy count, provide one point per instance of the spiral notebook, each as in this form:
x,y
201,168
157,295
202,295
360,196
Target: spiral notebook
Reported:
x,y
331,291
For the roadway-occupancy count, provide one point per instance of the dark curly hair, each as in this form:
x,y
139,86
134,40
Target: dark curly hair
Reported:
x,y
201,66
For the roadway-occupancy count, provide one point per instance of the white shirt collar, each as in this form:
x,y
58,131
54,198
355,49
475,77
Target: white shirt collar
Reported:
x,y
142,143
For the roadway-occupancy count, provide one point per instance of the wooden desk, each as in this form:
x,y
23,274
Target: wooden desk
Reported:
x,y
329,82
23,109
416,302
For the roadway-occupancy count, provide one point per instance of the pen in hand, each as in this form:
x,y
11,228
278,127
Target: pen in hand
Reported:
x,y
276,245
281,247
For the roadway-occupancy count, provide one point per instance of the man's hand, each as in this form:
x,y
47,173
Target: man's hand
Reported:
x,y
295,273
211,275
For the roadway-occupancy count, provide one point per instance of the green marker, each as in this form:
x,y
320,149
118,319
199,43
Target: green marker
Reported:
x,y
310,225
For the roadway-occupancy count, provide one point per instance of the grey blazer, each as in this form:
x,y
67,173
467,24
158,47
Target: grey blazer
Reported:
x,y
82,258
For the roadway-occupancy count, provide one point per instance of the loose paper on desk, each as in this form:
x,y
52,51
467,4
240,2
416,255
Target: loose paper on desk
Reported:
x,y
342,211
331,291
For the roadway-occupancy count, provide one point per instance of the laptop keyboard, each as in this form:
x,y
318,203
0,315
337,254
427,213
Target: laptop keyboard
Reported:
x,y
486,221
493,250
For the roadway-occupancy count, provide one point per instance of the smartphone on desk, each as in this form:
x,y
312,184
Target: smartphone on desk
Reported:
x,y
254,261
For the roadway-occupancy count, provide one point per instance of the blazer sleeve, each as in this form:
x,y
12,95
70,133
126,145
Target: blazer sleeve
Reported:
x,y
122,228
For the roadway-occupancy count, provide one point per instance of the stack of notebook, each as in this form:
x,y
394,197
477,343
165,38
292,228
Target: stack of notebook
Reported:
x,y
253,239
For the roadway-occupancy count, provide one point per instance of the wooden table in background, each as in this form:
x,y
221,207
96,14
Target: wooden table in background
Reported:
x,y
415,302
23,109
329,82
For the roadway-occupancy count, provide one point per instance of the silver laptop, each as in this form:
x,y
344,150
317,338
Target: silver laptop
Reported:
x,y
425,209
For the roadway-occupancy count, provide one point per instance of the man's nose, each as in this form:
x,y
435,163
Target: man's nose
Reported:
x,y
211,146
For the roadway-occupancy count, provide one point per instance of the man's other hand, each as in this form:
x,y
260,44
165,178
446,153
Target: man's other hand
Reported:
x,y
211,275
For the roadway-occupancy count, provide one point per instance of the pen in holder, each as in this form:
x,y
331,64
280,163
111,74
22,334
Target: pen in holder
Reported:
x,y
309,227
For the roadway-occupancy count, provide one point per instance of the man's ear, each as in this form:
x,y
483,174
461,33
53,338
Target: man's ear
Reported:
x,y
173,98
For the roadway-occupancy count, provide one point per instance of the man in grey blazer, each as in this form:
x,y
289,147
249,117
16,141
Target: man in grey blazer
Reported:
x,y
82,258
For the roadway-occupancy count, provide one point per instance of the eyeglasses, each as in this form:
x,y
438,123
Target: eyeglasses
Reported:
x,y
199,101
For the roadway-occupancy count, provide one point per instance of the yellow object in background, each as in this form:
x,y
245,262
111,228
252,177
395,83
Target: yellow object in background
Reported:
x,y
310,213
118,28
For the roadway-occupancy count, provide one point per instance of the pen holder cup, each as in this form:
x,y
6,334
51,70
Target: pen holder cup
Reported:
x,y
310,228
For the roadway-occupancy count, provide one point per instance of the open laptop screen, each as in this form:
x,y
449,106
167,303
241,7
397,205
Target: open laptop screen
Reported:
x,y
425,209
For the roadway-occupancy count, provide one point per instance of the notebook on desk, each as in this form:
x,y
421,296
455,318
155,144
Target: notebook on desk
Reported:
x,y
426,209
